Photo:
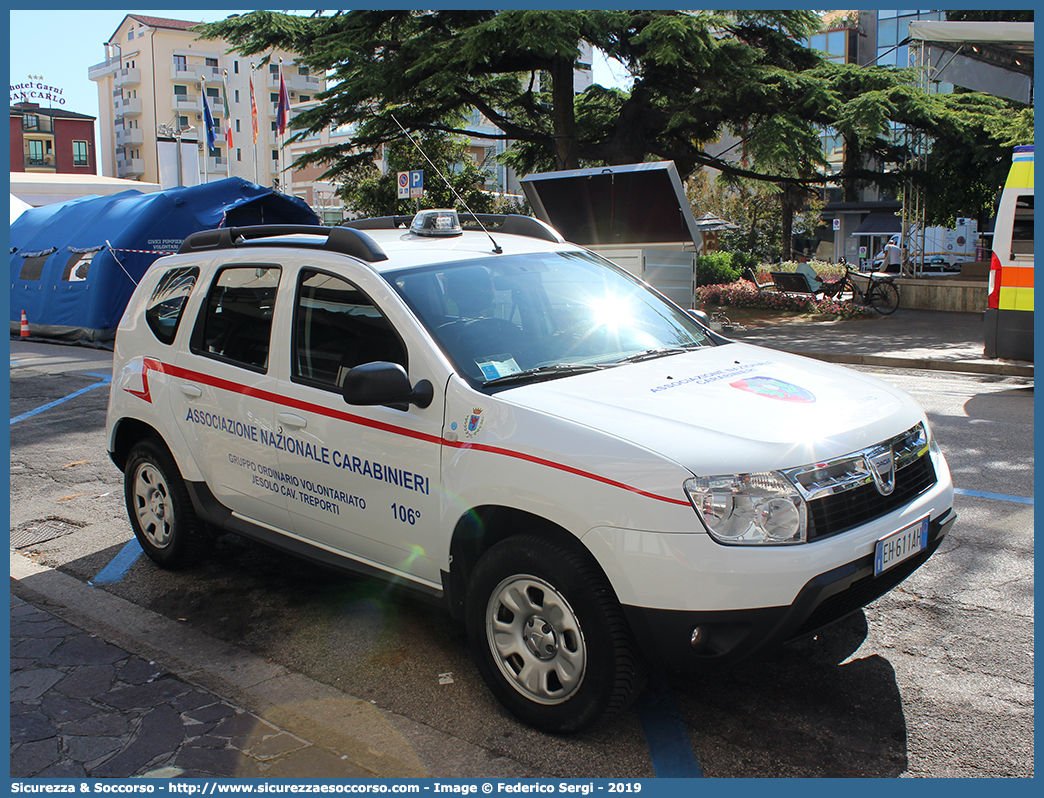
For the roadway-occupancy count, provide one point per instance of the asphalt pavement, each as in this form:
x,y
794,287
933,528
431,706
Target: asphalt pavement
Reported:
x,y
917,339
101,687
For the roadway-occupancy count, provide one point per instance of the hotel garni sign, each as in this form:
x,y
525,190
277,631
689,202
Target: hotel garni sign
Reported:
x,y
35,90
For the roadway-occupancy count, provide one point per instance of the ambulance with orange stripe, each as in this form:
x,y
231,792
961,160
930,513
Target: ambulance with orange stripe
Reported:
x,y
509,425
1009,313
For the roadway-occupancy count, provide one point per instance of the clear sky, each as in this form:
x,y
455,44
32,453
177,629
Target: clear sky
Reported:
x,y
60,46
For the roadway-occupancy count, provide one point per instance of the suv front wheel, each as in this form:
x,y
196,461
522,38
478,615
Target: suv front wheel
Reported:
x,y
159,507
549,636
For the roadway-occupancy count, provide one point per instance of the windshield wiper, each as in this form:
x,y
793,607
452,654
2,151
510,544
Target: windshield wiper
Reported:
x,y
659,351
544,373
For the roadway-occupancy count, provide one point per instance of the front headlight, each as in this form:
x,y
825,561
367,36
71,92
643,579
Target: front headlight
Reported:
x,y
750,509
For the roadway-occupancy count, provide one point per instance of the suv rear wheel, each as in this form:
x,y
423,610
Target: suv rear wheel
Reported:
x,y
159,507
549,636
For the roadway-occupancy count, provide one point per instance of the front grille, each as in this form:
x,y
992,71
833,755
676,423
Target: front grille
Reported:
x,y
852,490
837,513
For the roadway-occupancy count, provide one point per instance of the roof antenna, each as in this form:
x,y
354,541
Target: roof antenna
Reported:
x,y
496,246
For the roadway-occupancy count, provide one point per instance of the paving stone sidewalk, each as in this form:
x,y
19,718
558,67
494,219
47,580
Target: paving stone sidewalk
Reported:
x,y
82,707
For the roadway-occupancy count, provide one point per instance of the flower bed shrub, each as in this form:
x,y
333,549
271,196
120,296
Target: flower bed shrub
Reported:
x,y
744,294
716,268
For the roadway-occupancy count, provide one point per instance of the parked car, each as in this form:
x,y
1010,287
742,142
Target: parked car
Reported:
x,y
577,469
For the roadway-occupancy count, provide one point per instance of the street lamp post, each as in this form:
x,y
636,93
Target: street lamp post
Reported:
x,y
175,131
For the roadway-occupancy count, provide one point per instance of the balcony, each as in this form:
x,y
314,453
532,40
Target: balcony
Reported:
x,y
186,104
131,137
39,163
125,107
133,167
100,71
192,73
126,77
216,165
305,83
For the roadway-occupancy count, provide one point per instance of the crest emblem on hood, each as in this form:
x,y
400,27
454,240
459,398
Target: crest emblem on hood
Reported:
x,y
775,389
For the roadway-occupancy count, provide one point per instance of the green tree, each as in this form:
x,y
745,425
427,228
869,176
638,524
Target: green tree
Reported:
x,y
369,193
697,76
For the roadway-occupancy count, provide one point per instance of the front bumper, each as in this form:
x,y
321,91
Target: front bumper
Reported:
x,y
730,636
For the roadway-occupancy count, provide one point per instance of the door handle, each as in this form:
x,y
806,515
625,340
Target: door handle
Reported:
x,y
191,391
291,420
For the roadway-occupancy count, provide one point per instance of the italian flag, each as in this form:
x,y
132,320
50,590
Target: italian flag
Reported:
x,y
228,118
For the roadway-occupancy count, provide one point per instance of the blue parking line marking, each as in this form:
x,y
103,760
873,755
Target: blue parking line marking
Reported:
x,y
120,564
105,380
666,735
1004,497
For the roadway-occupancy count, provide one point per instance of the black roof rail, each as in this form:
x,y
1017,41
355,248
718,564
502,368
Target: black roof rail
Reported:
x,y
338,239
515,225
378,223
509,224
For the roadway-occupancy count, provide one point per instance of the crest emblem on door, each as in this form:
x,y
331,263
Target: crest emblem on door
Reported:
x,y
473,423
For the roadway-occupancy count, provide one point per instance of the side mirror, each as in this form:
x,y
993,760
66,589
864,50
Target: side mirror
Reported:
x,y
700,316
384,383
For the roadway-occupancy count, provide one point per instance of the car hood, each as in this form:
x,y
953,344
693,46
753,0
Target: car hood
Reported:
x,y
732,408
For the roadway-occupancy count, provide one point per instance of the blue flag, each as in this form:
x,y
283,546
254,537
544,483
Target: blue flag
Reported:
x,y
208,120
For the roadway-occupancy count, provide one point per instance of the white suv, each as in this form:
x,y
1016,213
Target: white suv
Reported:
x,y
575,467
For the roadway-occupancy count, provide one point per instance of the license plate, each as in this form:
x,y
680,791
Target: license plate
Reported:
x,y
894,548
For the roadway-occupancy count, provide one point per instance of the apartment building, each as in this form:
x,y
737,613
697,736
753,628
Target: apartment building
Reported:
x,y
151,89
51,140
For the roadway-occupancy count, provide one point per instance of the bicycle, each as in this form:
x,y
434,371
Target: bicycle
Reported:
x,y
724,323
881,293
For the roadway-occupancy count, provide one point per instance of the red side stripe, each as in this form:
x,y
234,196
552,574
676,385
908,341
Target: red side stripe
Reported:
x,y
148,364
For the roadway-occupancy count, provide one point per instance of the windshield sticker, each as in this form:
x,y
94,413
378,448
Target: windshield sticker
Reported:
x,y
498,366
712,376
775,389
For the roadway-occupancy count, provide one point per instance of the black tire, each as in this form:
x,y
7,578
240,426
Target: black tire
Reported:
x,y
884,298
159,508
565,631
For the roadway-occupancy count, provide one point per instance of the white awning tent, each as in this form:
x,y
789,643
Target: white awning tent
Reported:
x,y
38,189
18,207
992,57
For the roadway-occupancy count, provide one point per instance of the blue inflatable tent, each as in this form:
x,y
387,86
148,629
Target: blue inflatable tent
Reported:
x,y
75,264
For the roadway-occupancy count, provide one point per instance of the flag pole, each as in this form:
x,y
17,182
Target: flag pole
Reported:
x,y
253,117
206,137
281,125
228,123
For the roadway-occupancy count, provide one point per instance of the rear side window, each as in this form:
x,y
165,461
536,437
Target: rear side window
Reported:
x,y
236,325
167,303
1022,230
336,328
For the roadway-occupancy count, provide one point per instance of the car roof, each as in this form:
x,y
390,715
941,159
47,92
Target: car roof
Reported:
x,y
384,244
406,250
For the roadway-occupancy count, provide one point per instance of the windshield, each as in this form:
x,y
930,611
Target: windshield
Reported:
x,y
544,315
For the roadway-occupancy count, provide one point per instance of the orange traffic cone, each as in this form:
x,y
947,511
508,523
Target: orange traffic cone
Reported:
x,y
25,326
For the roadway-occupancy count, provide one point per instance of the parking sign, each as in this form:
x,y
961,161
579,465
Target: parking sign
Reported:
x,y
404,185
417,183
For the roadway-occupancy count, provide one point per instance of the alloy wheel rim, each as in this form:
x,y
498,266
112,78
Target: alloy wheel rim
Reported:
x,y
152,505
535,639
